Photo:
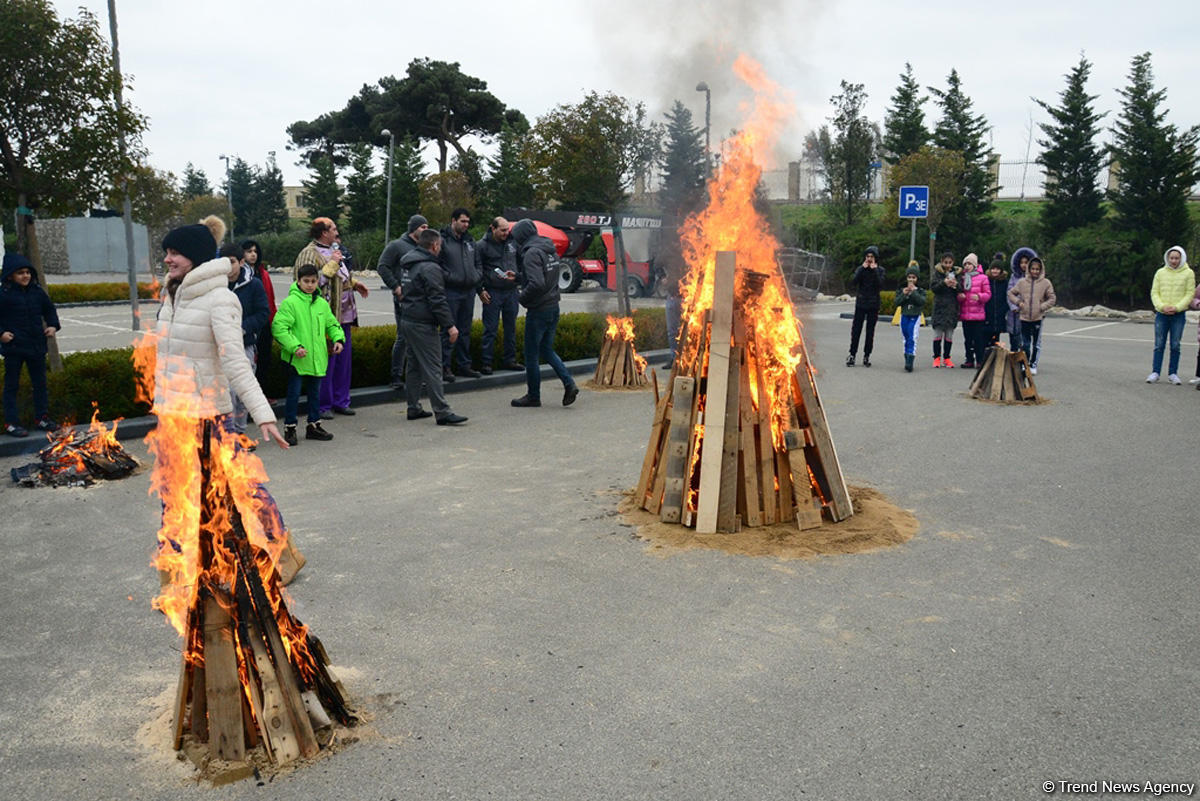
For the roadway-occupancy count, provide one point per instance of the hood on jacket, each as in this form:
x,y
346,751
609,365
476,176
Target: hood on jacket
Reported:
x,y
15,261
1183,258
1015,261
1038,259
522,231
296,290
244,277
415,255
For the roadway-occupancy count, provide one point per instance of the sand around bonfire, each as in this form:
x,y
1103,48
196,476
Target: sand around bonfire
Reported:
x,y
592,386
877,523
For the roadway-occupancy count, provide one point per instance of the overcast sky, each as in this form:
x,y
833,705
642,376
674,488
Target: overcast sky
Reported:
x,y
229,77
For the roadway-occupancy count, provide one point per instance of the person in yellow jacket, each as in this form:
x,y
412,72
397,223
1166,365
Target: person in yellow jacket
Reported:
x,y
1171,293
302,324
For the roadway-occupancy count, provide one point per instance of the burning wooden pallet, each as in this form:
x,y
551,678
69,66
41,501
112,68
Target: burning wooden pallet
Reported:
x,y
77,458
1004,376
740,436
619,364
251,672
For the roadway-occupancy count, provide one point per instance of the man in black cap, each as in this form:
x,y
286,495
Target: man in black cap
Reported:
x,y
423,310
869,279
389,270
538,266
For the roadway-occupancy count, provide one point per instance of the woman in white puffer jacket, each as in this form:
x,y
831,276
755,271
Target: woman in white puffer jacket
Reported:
x,y
200,356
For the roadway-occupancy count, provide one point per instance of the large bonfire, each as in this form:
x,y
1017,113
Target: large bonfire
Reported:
x,y
742,369
251,672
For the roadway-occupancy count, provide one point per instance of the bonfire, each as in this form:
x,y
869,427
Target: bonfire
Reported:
x,y
619,364
740,436
77,458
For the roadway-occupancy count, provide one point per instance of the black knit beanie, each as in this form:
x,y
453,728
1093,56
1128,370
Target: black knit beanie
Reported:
x,y
194,242
997,263
415,222
872,251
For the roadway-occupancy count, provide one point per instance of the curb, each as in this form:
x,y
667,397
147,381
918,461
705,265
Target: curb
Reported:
x,y
138,427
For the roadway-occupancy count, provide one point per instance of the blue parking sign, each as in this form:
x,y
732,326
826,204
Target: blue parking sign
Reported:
x,y
914,202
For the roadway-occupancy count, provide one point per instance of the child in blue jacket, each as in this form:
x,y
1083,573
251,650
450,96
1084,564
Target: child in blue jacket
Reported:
x,y
27,319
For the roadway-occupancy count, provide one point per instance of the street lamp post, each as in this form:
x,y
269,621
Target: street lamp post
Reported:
x,y
126,204
387,214
703,87
228,193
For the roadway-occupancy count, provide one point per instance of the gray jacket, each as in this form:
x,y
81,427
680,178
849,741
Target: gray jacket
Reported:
x,y
389,263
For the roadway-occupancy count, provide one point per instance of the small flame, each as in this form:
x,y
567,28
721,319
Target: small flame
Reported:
x,y
621,328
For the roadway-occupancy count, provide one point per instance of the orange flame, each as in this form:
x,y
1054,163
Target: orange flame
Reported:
x,y
730,222
621,328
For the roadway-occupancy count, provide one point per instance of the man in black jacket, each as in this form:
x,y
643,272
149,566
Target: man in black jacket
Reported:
x,y
462,282
869,279
538,266
389,270
423,308
496,262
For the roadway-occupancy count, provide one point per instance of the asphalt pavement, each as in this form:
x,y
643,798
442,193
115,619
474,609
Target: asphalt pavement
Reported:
x,y
510,638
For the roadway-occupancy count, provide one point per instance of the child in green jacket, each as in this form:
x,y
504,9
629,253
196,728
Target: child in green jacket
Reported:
x,y
301,325
910,300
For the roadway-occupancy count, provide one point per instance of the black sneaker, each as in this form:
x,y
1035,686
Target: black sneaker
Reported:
x,y
850,360
345,411
667,365
326,415
866,361
418,414
451,419
447,377
14,430
525,400
289,435
514,366
486,369
570,394
467,372
315,431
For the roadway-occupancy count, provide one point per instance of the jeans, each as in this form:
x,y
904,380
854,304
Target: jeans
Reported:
x,y
1031,341
674,317
462,308
973,341
335,386
12,379
540,325
398,349
312,391
237,420
503,306
861,315
1168,325
910,328
424,359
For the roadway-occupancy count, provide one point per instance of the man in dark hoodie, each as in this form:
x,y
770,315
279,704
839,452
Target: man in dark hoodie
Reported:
x,y
27,319
537,275
389,270
496,262
869,279
423,308
462,282
250,292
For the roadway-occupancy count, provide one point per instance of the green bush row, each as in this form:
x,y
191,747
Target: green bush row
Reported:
x,y
91,293
106,376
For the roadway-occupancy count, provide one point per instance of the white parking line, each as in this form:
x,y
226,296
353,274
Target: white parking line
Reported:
x,y
76,321
1085,328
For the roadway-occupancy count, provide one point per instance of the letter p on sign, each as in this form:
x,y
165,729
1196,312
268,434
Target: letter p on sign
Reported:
x,y
914,202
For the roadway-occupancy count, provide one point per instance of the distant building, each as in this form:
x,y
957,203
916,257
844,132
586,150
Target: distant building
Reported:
x,y
294,199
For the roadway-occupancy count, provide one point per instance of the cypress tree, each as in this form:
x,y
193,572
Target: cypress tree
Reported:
x,y
684,170
904,129
962,131
322,195
362,190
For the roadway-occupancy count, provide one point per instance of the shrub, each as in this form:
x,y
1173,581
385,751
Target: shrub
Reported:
x,y
106,376
91,293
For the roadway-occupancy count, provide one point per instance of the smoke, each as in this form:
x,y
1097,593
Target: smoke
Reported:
x,y
660,51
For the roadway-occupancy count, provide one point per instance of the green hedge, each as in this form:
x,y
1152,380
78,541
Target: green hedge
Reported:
x,y
106,376
90,293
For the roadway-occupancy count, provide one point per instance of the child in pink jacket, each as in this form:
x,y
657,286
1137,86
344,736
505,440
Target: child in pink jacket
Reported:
x,y
974,293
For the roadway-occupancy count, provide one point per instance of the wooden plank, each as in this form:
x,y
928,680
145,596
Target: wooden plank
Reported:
x,y
766,449
182,690
604,348
787,501
807,515
1009,390
222,686
979,385
653,448
716,394
840,505
728,492
752,508
674,480
996,389
614,363
199,715
276,723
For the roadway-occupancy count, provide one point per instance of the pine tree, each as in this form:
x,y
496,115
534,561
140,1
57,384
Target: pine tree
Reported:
x,y
962,131
322,195
1071,157
268,201
853,148
684,170
239,189
470,164
1156,165
408,170
904,130
362,190
508,184
195,182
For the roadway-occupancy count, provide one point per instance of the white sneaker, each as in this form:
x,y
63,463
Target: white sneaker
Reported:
x,y
1033,371
1195,380
1152,378
1174,379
